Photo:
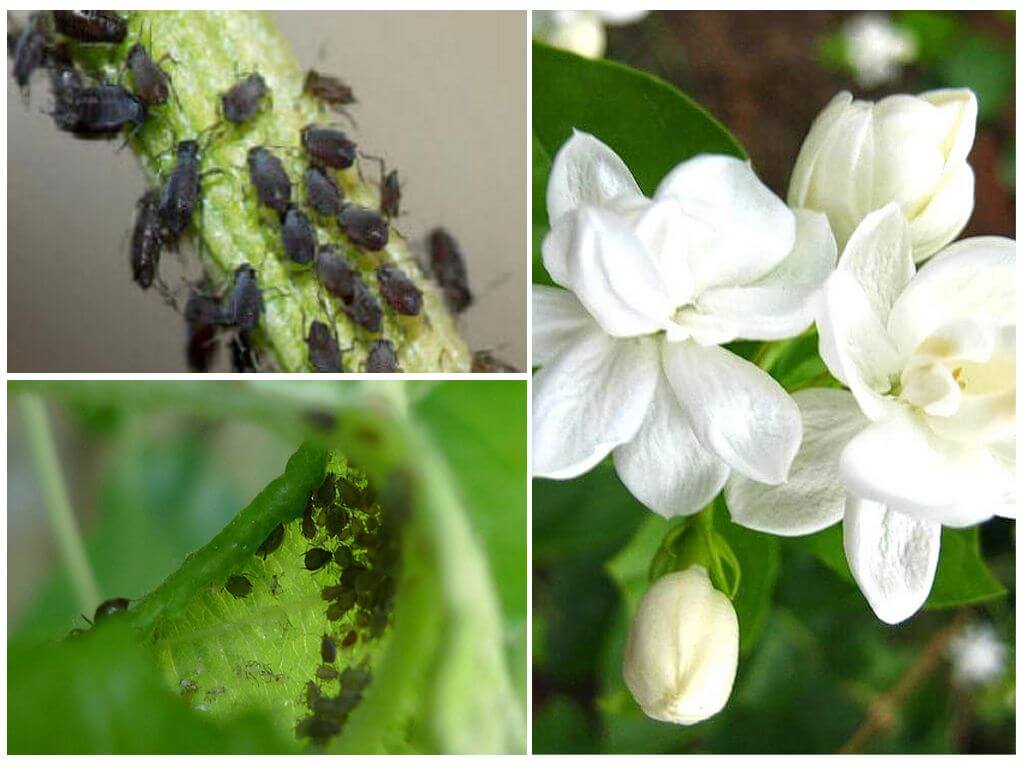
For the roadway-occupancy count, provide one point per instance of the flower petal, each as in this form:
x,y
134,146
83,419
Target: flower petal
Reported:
x,y
892,556
595,254
735,409
558,321
664,466
880,257
663,232
739,229
816,141
960,108
945,214
780,304
901,463
589,399
813,497
586,171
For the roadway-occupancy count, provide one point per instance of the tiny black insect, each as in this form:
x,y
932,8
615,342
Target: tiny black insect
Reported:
x,y
336,273
243,354
322,192
238,586
201,309
364,309
326,673
316,558
390,195
378,622
485,362
273,187
349,493
317,728
145,248
109,608
332,592
328,89
324,351
364,227
298,236
382,358
29,49
242,101
308,526
329,147
328,650
272,542
343,555
335,519
355,678
91,26
151,84
349,640
97,110
201,346
399,291
180,192
337,708
65,80
325,493
245,301
449,269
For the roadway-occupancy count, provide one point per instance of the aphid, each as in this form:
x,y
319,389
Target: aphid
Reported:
x,y
349,639
201,309
91,26
298,236
317,728
334,520
350,575
364,227
328,650
308,526
326,673
336,273
364,309
180,192
201,346
272,542
29,49
349,493
382,358
273,187
390,195
343,555
275,584
336,708
329,147
243,354
355,678
110,607
97,110
335,611
65,80
332,592
324,351
151,84
313,693
399,291
145,248
242,101
322,192
328,89
485,362
449,270
238,586
316,558
325,493
245,301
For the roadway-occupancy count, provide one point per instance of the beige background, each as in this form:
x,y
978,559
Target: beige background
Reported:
x,y
441,95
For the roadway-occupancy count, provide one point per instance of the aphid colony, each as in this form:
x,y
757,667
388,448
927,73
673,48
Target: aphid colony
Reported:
x,y
91,108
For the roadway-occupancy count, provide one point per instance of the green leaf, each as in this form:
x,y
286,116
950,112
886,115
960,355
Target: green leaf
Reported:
x,y
541,170
983,65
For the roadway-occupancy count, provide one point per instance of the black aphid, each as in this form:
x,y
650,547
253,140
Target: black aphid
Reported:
x,y
150,83
332,592
245,301
242,101
378,622
343,555
97,110
364,308
65,80
364,227
298,236
91,26
317,728
316,558
201,346
328,650
326,673
243,354
325,493
273,187
329,147
238,586
29,49
272,542
355,678
324,351
349,640
336,273
336,610
145,248
449,270
322,192
110,607
180,193
337,708
390,195
308,525
349,493
328,89
399,291
201,309
382,358
485,362
335,519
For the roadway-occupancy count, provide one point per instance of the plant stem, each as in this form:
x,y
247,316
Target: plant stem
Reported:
x,y
55,499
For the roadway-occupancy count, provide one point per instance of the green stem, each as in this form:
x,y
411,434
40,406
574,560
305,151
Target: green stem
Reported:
x,y
821,380
55,499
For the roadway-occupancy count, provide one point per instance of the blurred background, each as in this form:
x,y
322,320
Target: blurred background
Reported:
x,y
441,95
826,674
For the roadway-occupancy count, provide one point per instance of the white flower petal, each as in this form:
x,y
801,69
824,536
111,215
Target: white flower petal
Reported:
x,y
595,254
739,231
813,497
663,231
904,465
893,557
589,399
945,214
779,305
558,321
735,409
587,171
664,466
959,107
908,157
880,257
816,141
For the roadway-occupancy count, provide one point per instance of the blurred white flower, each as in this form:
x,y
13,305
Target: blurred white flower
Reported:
x,y
977,654
876,48
631,355
912,150
926,436
581,32
682,649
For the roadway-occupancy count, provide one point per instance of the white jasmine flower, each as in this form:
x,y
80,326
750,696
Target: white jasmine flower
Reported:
x,y
631,355
683,648
912,150
977,654
926,435
581,32
876,48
